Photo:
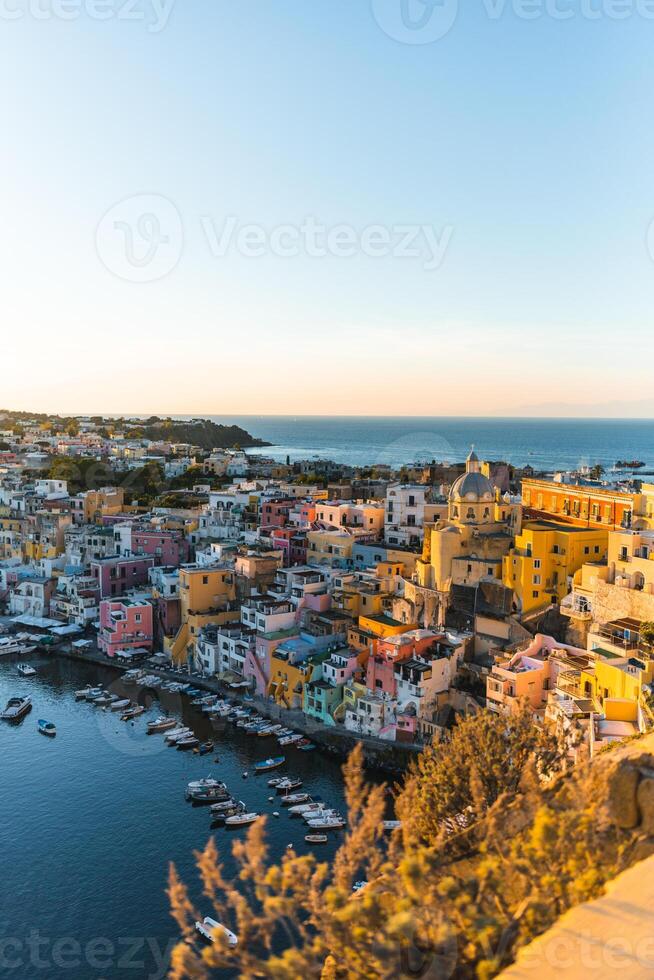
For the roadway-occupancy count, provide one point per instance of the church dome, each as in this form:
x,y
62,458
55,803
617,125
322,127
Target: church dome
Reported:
x,y
473,486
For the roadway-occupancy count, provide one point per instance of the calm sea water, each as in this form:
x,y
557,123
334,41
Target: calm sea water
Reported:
x,y
546,444
89,821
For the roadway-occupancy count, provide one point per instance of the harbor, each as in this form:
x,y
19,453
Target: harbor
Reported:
x,y
113,805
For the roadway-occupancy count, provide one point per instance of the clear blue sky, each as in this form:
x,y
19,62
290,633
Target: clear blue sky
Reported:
x,y
531,140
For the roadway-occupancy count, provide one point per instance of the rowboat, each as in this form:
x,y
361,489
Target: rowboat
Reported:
x,y
288,784
273,763
47,728
172,737
187,742
211,930
121,704
292,799
316,838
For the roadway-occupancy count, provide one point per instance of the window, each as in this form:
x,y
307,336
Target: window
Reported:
x,y
536,562
586,550
205,579
536,580
534,595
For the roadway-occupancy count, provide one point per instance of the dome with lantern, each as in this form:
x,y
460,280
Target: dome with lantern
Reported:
x,y
472,495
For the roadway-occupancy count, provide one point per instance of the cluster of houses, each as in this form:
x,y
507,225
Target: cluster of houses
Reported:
x,y
383,606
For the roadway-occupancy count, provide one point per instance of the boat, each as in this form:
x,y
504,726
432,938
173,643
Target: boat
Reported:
x,y
104,700
327,823
309,747
134,712
208,929
321,812
224,805
316,838
16,709
291,799
172,738
288,784
629,464
209,796
204,748
276,780
121,704
272,763
270,730
161,724
289,739
308,807
47,728
93,692
188,742
390,825
220,817
241,819
11,645
25,670
207,783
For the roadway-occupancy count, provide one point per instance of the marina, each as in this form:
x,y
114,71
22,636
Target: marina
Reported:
x,y
96,759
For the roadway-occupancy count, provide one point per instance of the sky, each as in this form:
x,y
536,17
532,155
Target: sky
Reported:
x,y
374,207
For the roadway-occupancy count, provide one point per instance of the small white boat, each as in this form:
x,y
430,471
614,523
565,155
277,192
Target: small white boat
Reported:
x,y
161,724
198,785
47,728
172,738
241,819
307,807
121,704
93,692
187,742
316,838
25,670
134,712
321,812
390,825
327,823
292,798
16,709
209,929
104,700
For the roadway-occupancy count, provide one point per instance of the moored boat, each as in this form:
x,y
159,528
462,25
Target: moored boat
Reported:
x,y
272,763
288,784
204,748
25,670
162,724
187,742
16,709
327,823
134,712
316,838
173,737
121,704
211,930
47,728
292,799
241,819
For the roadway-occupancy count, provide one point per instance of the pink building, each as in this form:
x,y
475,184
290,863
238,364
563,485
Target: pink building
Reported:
x,y
168,547
381,677
274,513
292,543
125,625
117,575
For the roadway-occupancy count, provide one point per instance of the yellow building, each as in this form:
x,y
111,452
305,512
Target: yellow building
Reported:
x,y
466,548
330,547
368,630
539,568
11,536
207,596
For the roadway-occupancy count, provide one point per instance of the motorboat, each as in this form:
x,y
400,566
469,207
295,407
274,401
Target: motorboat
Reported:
x,y
288,784
161,724
276,780
207,783
94,692
223,805
187,742
308,807
220,817
327,823
316,838
172,738
272,763
391,825
241,819
11,645
211,930
289,739
104,700
121,704
321,813
270,730
47,728
293,798
134,712
217,795
16,709
25,670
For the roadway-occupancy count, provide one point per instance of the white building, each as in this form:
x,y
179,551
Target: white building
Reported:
x,y
405,514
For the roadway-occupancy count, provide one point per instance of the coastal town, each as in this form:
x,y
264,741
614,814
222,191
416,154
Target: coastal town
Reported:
x,y
363,604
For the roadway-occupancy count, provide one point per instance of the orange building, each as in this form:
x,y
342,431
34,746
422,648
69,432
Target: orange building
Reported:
x,y
583,506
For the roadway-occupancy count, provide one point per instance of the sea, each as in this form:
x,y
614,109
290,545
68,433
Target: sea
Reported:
x,y
545,444
90,820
